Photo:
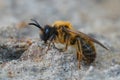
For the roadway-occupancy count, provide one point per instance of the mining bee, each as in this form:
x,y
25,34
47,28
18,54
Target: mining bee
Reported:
x,y
63,32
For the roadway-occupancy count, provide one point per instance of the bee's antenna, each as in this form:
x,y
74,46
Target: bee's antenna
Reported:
x,y
36,24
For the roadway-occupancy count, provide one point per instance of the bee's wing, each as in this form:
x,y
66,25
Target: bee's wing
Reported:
x,y
88,37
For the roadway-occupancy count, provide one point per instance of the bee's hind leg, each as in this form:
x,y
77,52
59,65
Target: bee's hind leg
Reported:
x,y
79,52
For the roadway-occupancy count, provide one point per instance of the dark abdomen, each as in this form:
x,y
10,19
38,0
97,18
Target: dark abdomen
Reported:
x,y
89,51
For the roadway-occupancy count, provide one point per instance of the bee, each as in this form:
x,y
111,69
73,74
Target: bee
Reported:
x,y
63,32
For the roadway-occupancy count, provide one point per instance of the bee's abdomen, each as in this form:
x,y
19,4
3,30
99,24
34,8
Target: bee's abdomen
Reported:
x,y
89,52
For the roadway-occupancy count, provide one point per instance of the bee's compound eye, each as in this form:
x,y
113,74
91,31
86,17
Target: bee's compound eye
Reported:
x,y
47,30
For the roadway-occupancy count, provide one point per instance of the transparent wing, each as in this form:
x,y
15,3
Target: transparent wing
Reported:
x,y
85,36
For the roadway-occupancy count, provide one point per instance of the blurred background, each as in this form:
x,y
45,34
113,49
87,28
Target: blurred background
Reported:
x,y
80,13
89,16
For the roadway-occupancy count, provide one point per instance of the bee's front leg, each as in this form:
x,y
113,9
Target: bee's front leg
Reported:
x,y
48,47
50,41
66,46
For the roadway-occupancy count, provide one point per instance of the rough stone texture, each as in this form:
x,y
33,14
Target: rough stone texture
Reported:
x,y
12,49
99,18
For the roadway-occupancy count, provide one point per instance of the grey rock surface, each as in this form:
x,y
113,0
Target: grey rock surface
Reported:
x,y
98,18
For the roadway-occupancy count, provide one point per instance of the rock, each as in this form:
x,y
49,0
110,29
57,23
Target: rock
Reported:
x,y
23,56
12,49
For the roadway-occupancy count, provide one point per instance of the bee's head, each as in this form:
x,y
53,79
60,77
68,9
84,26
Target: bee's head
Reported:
x,y
46,32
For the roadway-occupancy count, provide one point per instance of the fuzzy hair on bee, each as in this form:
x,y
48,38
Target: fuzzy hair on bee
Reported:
x,y
63,32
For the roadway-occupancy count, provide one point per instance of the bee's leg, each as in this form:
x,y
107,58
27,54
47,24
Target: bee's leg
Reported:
x,y
66,41
55,46
79,52
61,50
51,40
66,46
48,46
